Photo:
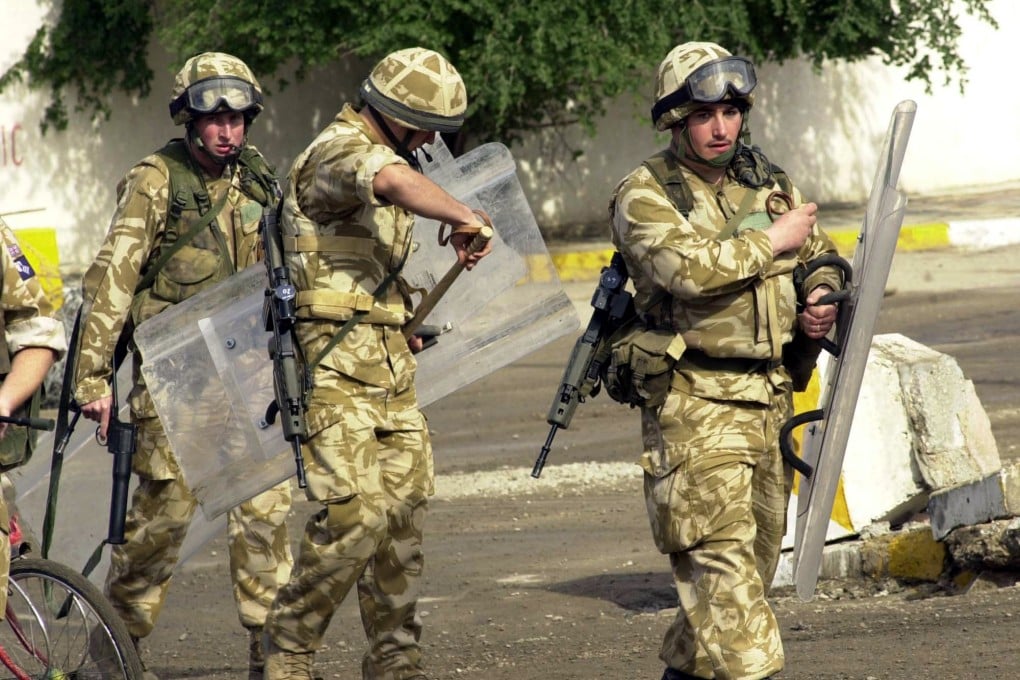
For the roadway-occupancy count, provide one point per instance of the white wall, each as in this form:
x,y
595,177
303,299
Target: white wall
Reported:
x,y
824,129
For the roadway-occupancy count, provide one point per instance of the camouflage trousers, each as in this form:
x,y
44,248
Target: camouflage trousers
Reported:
x,y
369,462
156,525
716,490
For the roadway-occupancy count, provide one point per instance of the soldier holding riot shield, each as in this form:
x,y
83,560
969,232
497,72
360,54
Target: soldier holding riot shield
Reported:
x,y
187,217
712,233
346,231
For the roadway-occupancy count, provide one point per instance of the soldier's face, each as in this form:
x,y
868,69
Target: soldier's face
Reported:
x,y
221,133
714,129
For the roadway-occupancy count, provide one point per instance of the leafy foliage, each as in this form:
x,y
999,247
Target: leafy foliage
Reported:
x,y
526,63
86,51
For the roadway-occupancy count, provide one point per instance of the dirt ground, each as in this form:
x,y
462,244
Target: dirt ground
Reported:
x,y
561,581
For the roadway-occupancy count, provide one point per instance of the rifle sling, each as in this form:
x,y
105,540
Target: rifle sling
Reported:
x,y
377,295
734,222
184,240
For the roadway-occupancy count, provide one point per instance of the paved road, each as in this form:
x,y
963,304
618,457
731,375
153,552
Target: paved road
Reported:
x,y
963,303
565,584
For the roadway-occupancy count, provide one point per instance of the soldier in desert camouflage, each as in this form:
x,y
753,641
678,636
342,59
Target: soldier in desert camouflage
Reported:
x,y
711,232
32,339
347,227
187,217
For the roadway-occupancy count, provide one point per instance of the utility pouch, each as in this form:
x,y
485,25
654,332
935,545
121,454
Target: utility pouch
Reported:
x,y
640,364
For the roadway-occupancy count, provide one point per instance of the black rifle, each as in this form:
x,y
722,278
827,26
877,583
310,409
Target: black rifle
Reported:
x,y
612,304
121,441
278,315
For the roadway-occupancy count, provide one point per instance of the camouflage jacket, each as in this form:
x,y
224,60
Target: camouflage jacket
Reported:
x,y
728,298
27,321
28,317
341,241
136,236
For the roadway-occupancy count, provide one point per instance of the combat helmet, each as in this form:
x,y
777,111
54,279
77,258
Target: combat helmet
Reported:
x,y
417,88
697,73
212,81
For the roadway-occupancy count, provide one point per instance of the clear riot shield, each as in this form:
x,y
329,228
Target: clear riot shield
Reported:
x,y
824,441
206,360
82,514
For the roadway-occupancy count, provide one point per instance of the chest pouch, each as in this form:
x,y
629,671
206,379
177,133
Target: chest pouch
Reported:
x,y
639,364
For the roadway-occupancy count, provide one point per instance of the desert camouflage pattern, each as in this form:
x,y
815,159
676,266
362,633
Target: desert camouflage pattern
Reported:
x,y
162,507
720,576
368,457
28,321
419,89
28,315
156,525
679,64
346,241
716,488
729,299
376,457
208,65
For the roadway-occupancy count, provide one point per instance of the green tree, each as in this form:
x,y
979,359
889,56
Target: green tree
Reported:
x,y
527,63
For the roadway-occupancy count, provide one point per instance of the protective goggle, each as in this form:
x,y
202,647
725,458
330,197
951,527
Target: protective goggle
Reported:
x,y
210,94
711,83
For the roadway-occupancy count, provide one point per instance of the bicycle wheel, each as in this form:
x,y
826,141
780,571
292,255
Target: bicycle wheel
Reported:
x,y
59,626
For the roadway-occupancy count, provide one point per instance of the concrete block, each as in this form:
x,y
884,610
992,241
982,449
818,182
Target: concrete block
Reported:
x,y
953,436
992,546
918,426
996,496
910,554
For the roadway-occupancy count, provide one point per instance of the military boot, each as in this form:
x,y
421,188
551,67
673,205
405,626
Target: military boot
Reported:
x,y
674,674
283,665
256,656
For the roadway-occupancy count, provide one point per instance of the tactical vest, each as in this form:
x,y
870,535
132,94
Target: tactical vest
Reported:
x,y
666,170
339,264
193,253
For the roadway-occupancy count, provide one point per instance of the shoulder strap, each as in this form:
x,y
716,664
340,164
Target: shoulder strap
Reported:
x,y
782,178
186,192
666,171
258,178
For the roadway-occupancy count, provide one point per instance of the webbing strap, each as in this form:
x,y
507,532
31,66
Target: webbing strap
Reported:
x,y
377,294
734,222
329,244
334,298
62,436
170,251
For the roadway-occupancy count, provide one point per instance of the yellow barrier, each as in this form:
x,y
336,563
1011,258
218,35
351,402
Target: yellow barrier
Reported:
x,y
40,247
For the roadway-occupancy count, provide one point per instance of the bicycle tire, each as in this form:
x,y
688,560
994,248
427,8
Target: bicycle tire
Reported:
x,y
60,625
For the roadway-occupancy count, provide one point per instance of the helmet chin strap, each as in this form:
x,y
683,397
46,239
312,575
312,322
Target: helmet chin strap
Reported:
x,y
399,146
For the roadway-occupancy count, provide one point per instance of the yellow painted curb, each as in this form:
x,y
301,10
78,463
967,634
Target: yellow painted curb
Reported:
x,y
930,236
585,265
912,554
582,265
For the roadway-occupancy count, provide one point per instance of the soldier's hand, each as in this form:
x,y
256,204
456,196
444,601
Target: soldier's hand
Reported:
x,y
461,242
792,228
99,411
817,320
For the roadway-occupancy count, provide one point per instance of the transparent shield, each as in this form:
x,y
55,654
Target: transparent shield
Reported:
x,y
207,365
824,442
